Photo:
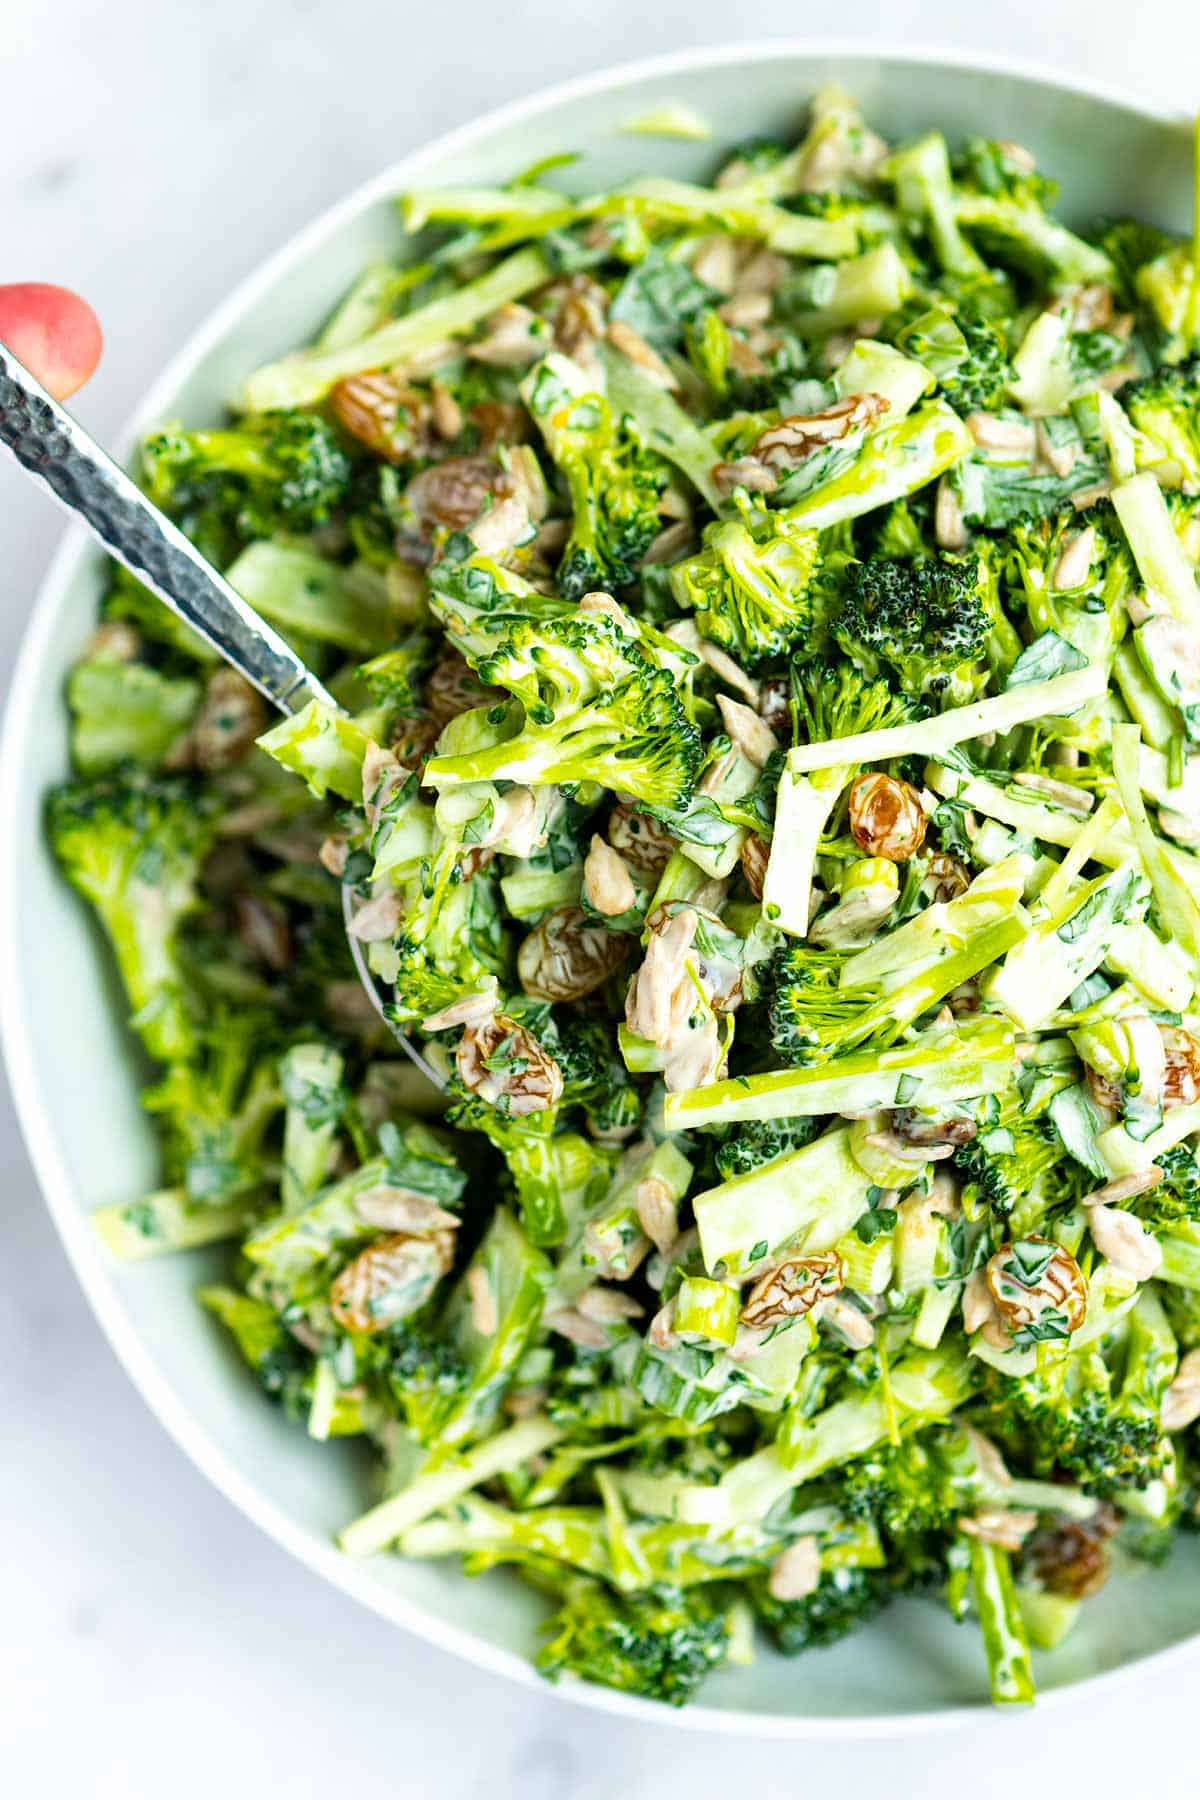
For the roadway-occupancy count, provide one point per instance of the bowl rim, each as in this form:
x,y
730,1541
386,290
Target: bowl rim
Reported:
x,y
33,1109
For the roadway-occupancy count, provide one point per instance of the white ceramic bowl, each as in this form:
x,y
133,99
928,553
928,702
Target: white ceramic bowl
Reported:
x,y
76,1073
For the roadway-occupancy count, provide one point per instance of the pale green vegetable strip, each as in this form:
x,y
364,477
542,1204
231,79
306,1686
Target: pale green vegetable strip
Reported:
x,y
300,380
432,1489
1177,902
1055,698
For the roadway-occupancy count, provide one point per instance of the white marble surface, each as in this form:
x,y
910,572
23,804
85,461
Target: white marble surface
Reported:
x,y
151,1641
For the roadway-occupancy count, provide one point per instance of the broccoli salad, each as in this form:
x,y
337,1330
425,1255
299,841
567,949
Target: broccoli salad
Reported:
x,y
765,768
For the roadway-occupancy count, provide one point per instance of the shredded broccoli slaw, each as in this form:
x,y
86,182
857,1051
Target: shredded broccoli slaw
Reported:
x,y
765,634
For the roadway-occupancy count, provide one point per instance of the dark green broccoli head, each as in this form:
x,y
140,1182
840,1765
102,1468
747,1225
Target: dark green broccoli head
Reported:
x,y
1165,407
908,1493
594,1077
981,379
922,618
659,1644
760,1141
753,585
836,700
842,1600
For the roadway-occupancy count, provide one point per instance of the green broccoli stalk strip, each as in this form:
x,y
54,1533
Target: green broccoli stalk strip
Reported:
x,y
943,1064
303,379
923,619
802,1202
925,196
613,479
1161,560
814,1016
126,712
662,425
659,1645
752,585
439,1484
1066,945
134,849
310,1076
307,594
924,1385
513,1277
1056,698
634,738
1005,1640
167,1220
275,471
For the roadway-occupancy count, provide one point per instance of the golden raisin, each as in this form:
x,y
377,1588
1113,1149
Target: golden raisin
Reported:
x,y
384,413
886,817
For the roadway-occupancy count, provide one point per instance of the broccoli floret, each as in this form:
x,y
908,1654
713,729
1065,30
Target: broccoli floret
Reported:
x,y
634,738
134,849
1004,1168
594,1076
284,471
1094,1413
1165,407
613,480
553,665
981,379
836,700
215,1109
922,618
660,1644
1176,1200
480,602
760,1141
842,1600
753,585
426,1377
908,1493
1004,205
1129,245
1090,613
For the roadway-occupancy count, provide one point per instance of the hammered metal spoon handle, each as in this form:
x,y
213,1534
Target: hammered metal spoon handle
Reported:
x,y
56,451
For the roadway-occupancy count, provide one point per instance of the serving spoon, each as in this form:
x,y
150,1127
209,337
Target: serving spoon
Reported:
x,y
55,450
